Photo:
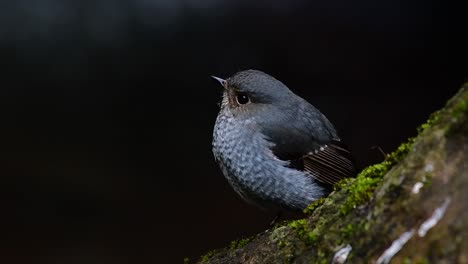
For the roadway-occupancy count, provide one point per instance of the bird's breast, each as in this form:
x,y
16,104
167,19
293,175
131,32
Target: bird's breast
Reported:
x,y
234,151
247,162
233,146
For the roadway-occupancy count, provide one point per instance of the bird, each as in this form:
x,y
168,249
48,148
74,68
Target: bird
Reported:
x,y
275,149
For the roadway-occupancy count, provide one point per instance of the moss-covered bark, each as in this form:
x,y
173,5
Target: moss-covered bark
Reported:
x,y
411,208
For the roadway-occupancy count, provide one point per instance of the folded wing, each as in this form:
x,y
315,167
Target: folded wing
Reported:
x,y
329,164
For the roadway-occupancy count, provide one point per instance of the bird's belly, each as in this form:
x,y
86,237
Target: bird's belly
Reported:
x,y
238,159
256,174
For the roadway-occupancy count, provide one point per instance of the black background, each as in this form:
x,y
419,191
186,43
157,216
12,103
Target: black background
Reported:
x,y
107,110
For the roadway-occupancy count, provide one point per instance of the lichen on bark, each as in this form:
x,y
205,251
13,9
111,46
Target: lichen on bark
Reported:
x,y
411,208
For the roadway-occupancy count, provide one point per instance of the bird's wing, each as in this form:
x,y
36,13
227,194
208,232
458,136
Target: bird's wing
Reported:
x,y
329,164
306,139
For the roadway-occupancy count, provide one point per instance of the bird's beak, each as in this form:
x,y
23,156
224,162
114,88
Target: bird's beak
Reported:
x,y
221,81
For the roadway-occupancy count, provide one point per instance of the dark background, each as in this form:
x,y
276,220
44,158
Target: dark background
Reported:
x,y
107,110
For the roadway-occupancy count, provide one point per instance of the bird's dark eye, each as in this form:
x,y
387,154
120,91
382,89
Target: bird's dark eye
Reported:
x,y
242,98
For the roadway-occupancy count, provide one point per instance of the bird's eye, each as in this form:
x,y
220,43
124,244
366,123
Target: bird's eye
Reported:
x,y
242,98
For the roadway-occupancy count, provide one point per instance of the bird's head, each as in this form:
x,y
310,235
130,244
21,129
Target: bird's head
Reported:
x,y
252,91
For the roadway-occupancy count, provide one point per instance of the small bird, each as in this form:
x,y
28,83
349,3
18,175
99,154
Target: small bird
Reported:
x,y
276,150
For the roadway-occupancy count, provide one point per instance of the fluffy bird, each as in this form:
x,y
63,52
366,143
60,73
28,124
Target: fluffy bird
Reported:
x,y
276,150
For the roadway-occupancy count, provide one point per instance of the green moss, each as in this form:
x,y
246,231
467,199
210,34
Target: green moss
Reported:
x,y
360,190
342,184
321,257
207,256
281,244
317,231
418,261
311,236
303,230
314,205
300,226
406,261
433,118
422,261
397,155
348,230
461,105
236,244
460,109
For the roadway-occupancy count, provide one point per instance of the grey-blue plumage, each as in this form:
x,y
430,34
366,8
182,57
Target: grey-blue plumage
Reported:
x,y
275,149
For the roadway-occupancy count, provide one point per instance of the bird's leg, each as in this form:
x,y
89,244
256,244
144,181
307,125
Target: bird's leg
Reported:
x,y
277,216
380,150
